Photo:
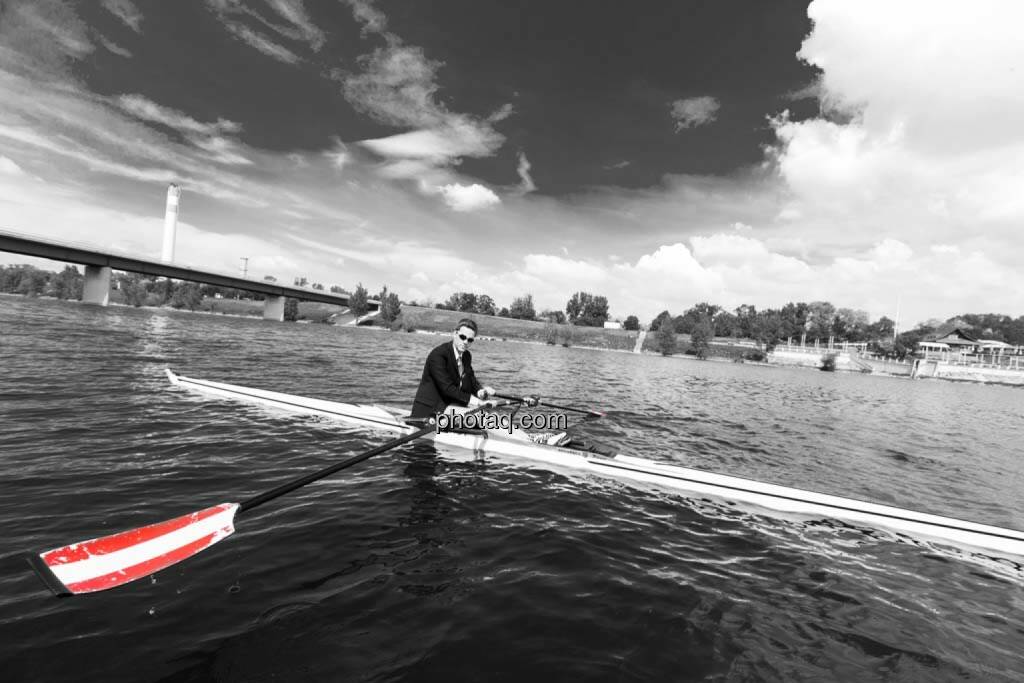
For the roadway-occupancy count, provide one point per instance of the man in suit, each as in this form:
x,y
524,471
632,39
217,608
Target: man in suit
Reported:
x,y
448,376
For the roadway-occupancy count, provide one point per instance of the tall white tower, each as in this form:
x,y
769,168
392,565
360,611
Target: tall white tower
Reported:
x,y
170,222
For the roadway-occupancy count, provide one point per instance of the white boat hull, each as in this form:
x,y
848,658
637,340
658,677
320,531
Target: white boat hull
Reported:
x,y
992,539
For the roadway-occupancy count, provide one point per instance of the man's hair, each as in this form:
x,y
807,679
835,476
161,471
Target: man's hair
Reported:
x,y
467,322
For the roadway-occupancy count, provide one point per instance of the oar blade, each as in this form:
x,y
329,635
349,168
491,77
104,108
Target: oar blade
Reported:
x,y
110,561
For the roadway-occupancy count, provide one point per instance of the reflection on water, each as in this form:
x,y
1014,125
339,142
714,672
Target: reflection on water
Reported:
x,y
426,563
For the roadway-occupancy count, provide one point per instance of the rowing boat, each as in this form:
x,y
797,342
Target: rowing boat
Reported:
x,y
960,533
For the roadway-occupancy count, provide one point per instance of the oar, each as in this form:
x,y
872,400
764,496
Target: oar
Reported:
x,y
110,561
540,401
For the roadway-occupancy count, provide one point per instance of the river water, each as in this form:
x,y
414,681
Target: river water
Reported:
x,y
420,565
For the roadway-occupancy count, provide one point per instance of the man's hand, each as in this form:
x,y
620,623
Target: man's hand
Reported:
x,y
486,392
475,402
531,401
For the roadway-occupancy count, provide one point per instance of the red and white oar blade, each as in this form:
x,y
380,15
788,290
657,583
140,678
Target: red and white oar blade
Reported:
x,y
111,561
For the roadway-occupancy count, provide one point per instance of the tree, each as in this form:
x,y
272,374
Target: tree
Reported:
x,y
586,309
271,278
68,284
766,329
357,302
291,309
335,289
632,323
666,339
881,330
556,317
134,291
850,325
726,324
522,308
794,320
659,319
574,307
301,282
317,286
595,312
688,320
187,295
503,313
701,335
390,306
820,318
485,305
746,316
31,282
468,302
165,289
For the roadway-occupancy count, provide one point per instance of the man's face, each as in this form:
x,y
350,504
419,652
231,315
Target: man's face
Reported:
x,y
463,338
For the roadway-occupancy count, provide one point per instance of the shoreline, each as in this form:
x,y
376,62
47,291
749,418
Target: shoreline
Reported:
x,y
522,325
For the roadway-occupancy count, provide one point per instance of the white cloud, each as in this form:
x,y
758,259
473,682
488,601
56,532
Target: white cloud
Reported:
x,y
949,76
468,197
41,37
372,19
502,113
396,84
926,150
694,111
126,11
397,87
9,167
114,47
147,110
222,150
229,12
294,12
526,184
262,43
338,155
205,136
438,146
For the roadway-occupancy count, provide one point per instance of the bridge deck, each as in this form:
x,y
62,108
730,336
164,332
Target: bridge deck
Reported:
x,y
89,256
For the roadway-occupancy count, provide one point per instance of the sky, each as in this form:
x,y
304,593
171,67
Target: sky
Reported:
x,y
864,153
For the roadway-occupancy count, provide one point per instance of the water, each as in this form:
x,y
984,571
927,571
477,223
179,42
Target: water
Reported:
x,y
420,566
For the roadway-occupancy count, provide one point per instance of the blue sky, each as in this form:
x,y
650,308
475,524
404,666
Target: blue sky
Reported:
x,y
862,153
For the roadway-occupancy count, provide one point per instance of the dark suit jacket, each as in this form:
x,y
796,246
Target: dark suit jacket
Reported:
x,y
440,386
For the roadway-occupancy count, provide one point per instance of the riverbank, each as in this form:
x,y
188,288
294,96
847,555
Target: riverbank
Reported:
x,y
723,350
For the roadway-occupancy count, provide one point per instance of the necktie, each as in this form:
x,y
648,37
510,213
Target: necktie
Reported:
x,y
462,372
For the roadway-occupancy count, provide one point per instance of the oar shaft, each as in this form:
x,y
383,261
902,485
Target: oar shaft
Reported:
x,y
290,486
299,482
585,411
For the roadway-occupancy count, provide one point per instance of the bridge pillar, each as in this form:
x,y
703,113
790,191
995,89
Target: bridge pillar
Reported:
x,y
273,308
96,289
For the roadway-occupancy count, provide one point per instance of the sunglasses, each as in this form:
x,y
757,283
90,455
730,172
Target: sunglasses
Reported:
x,y
466,339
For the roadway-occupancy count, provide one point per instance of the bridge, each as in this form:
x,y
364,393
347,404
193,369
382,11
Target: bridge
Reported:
x,y
99,264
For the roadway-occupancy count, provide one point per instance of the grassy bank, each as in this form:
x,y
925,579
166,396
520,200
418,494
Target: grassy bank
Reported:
x,y
311,311
415,318
419,318
722,348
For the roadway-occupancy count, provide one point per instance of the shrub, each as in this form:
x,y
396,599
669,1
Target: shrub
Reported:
x,y
666,340
357,303
568,335
551,333
291,309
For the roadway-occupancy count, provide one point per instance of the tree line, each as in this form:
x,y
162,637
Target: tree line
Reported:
x,y
32,281
582,308
800,321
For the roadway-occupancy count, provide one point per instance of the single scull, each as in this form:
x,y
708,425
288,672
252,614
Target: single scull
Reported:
x,y
993,539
